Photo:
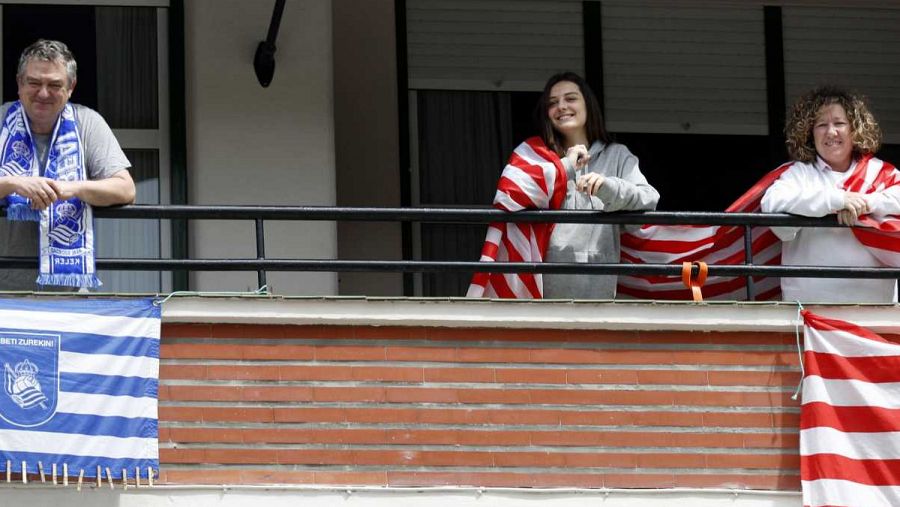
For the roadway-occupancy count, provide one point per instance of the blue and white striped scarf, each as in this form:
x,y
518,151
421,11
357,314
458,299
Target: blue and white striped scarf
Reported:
x,y
67,226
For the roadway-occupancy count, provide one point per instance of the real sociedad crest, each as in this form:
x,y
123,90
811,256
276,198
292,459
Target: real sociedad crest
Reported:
x,y
30,363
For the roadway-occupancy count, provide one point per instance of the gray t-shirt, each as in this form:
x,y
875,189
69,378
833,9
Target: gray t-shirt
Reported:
x,y
103,157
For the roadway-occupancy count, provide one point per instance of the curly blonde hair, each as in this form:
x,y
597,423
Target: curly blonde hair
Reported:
x,y
864,130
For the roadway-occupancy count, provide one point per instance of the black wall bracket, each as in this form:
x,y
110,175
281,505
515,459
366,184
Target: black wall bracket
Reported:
x,y
264,60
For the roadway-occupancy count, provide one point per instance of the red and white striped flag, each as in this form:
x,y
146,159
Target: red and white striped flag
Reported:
x,y
534,178
850,418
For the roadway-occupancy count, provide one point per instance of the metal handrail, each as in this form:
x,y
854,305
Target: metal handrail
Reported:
x,y
261,264
472,215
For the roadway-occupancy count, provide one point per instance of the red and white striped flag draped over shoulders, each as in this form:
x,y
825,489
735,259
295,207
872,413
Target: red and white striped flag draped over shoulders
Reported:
x,y
534,178
880,234
850,418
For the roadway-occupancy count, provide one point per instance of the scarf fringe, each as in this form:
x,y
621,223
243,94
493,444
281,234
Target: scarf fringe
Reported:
x,y
22,213
69,280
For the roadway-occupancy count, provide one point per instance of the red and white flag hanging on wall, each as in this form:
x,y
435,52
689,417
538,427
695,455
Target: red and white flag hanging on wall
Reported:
x,y
850,418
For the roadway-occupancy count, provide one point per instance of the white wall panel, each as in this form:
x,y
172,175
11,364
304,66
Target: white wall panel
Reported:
x,y
853,47
492,44
676,68
253,145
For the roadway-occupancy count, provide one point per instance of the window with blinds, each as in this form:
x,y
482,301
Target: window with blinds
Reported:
x,y
853,47
672,68
508,45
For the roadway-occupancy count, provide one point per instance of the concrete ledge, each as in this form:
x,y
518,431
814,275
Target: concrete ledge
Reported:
x,y
276,496
613,315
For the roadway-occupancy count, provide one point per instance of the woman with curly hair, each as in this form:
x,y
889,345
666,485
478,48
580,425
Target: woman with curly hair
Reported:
x,y
832,136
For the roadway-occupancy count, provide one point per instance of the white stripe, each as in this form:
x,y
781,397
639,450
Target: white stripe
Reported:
x,y
82,323
887,257
872,171
520,240
527,153
535,248
107,406
548,168
847,344
840,492
851,393
516,286
531,157
78,445
476,291
493,235
675,233
825,440
105,364
527,184
503,199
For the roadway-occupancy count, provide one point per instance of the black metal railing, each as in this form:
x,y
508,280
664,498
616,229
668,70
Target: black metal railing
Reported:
x,y
261,264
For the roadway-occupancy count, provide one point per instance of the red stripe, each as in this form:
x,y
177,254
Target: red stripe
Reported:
x,y
856,180
875,369
534,171
669,246
515,192
480,279
849,419
515,255
882,239
709,290
749,202
498,283
559,187
769,295
873,472
888,176
825,324
721,239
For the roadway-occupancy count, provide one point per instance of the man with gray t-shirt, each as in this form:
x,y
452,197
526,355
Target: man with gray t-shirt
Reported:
x,y
46,77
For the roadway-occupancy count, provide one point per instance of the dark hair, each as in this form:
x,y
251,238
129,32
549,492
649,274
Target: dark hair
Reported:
x,y
864,130
596,130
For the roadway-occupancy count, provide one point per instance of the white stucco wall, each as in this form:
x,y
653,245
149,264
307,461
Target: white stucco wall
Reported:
x,y
253,145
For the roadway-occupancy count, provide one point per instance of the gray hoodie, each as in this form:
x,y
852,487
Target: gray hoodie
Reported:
x,y
623,188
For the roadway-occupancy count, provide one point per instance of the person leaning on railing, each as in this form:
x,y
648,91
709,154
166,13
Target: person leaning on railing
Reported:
x,y
56,160
832,136
601,175
572,165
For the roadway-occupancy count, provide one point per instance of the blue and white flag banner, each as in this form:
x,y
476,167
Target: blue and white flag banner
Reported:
x,y
80,380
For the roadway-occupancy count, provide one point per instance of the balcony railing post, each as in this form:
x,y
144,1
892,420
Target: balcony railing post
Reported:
x,y
260,252
748,259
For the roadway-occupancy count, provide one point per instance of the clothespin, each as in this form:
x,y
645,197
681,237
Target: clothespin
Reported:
x,y
109,478
8,470
41,471
99,477
150,476
24,473
65,474
53,472
80,479
124,478
137,476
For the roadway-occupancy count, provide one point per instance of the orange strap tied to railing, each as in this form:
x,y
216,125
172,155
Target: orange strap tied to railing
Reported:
x,y
695,284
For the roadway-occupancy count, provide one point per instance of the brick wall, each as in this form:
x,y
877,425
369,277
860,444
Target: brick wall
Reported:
x,y
401,406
